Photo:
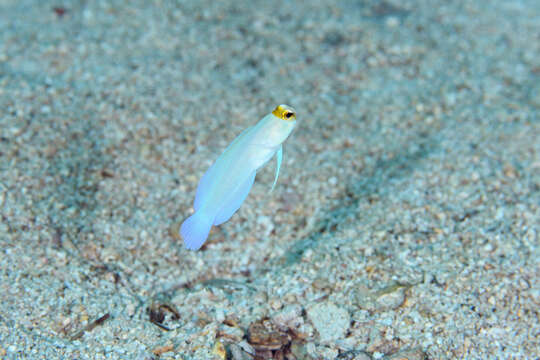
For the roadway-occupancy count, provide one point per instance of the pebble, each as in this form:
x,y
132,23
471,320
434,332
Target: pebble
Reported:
x,y
290,317
262,336
330,321
408,354
238,353
391,298
231,333
354,355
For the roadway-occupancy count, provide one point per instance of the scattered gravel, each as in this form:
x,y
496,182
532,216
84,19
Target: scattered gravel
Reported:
x,y
406,213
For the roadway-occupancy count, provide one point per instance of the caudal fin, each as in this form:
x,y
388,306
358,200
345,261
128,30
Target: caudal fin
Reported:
x,y
195,229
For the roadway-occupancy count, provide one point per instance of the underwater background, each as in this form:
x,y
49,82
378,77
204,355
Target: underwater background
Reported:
x,y
404,224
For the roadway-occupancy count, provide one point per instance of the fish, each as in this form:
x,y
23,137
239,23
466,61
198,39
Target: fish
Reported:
x,y
226,184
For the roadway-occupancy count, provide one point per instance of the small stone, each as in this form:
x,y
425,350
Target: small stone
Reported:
x,y
408,354
160,350
289,318
321,284
290,298
275,303
330,321
510,171
130,309
299,350
246,347
322,352
364,299
267,224
391,297
237,353
262,336
234,334
354,355
219,350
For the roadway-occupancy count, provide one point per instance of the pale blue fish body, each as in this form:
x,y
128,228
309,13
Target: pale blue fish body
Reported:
x,y
226,184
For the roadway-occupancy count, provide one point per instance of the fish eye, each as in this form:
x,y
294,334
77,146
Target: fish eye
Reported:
x,y
288,114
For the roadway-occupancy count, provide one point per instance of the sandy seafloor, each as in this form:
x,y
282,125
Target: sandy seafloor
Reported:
x,y
405,223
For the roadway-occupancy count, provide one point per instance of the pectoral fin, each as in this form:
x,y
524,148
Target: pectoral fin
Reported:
x,y
279,157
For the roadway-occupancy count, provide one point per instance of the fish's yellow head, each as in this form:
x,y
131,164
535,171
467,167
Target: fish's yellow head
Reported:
x,y
285,112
